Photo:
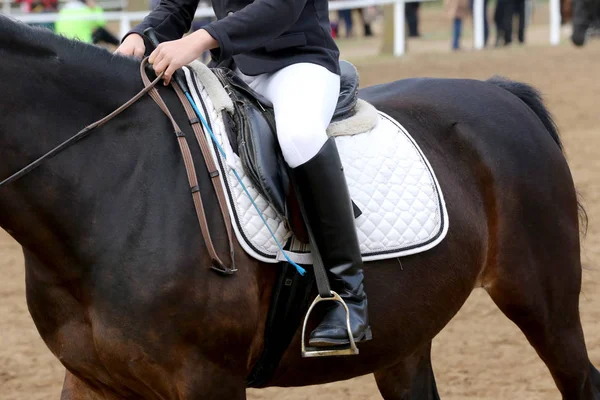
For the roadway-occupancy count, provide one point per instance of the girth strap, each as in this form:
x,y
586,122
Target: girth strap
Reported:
x,y
218,265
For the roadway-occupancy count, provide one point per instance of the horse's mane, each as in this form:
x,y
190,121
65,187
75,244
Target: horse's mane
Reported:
x,y
20,38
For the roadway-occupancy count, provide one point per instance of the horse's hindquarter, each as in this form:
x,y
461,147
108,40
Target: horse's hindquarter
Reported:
x,y
490,154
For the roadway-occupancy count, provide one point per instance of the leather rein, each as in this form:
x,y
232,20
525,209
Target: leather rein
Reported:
x,y
82,133
150,89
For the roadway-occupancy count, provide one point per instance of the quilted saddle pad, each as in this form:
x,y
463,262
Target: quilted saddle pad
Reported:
x,y
390,180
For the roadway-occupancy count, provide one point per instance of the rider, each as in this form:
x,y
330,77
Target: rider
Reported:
x,y
284,50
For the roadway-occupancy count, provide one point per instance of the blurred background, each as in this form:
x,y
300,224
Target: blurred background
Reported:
x,y
363,27
480,354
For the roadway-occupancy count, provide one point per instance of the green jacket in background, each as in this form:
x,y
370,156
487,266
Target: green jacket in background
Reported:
x,y
81,29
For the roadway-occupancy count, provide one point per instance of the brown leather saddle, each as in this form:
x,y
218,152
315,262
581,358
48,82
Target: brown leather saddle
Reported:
x,y
253,137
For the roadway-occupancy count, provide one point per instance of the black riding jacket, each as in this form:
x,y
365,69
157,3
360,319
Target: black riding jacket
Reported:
x,y
261,36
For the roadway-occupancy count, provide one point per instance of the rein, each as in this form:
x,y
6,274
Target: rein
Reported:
x,y
150,89
82,133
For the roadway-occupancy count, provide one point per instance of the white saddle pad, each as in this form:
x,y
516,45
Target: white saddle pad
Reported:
x,y
390,180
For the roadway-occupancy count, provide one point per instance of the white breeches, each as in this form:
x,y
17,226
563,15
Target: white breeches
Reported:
x,y
304,98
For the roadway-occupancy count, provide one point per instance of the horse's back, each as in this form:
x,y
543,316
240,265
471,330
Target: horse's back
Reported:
x,y
470,118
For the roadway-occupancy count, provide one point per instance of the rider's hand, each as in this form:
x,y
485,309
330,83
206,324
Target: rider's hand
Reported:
x,y
132,46
170,56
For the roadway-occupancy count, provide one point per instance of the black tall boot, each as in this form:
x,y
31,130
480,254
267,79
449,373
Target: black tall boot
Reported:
x,y
322,186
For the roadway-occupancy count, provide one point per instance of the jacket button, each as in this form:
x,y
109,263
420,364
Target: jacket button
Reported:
x,y
229,13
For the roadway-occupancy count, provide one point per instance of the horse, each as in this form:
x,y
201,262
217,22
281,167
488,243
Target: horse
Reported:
x,y
118,277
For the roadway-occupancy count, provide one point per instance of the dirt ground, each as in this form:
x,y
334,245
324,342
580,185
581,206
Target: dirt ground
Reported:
x,y
480,354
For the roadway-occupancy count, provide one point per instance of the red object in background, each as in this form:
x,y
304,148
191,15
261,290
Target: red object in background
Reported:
x,y
38,5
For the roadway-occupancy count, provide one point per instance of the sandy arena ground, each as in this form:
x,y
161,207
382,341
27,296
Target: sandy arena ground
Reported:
x,y
480,354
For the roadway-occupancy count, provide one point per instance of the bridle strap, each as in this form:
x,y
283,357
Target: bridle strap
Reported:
x,y
80,135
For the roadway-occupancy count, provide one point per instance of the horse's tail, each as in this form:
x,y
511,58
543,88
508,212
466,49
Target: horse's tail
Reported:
x,y
532,97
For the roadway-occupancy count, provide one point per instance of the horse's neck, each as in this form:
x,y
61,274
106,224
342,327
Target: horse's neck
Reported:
x,y
56,210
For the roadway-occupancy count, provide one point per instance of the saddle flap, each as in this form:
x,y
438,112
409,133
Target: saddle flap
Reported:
x,y
256,143
260,153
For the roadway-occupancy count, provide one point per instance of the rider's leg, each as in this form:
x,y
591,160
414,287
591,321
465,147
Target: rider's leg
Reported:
x,y
304,97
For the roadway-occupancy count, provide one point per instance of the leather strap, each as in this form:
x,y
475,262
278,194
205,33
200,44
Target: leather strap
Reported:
x,y
319,270
217,265
80,135
211,165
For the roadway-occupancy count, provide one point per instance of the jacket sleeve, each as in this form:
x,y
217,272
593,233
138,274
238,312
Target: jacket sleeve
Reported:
x,y
253,26
171,19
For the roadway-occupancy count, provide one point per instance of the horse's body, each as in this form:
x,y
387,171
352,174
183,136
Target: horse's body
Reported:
x,y
118,282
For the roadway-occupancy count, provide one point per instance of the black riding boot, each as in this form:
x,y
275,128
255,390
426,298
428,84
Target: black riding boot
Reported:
x,y
324,192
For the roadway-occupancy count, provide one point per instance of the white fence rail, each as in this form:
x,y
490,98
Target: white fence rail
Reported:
x,y
127,18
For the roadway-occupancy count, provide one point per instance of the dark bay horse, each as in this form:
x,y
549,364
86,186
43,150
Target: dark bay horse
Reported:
x,y
118,282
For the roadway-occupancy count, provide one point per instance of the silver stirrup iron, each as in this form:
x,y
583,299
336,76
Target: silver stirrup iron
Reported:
x,y
327,352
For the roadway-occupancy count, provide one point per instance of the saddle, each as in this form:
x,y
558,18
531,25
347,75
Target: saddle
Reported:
x,y
244,121
252,133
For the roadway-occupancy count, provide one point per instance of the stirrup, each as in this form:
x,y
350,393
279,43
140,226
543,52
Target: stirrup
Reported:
x,y
328,351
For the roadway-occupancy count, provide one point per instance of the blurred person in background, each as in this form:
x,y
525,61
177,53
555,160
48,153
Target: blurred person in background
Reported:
x,y
366,16
584,14
39,6
411,11
499,22
346,16
566,11
83,20
457,10
334,29
486,22
596,23
511,9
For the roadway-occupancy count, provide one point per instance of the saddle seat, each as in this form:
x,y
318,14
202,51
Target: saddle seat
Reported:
x,y
253,137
